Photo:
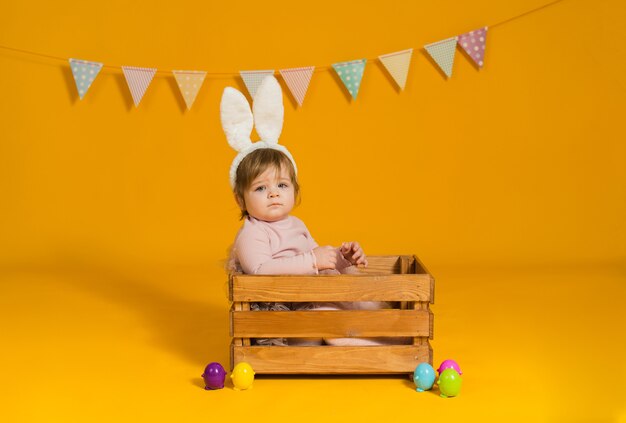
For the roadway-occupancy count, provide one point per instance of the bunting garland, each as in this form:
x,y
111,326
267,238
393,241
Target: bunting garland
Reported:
x,y
189,83
473,43
253,79
351,74
296,79
398,65
138,80
84,74
442,53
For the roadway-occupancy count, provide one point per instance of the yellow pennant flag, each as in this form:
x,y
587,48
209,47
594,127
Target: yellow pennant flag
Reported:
x,y
189,83
398,65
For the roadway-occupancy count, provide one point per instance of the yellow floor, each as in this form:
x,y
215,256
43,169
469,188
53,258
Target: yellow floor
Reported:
x,y
89,343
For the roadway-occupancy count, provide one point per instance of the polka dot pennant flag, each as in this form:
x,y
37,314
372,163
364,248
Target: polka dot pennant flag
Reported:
x,y
351,74
474,44
253,79
138,80
84,73
443,53
189,83
398,65
298,80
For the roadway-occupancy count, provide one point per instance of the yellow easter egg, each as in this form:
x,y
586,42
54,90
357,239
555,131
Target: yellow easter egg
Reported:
x,y
242,376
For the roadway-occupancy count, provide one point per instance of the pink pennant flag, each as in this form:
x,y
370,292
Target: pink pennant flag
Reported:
x,y
298,80
138,80
474,44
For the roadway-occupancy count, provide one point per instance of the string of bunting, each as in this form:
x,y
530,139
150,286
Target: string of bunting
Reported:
x,y
297,79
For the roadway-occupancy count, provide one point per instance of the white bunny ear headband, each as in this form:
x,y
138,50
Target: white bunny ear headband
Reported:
x,y
237,121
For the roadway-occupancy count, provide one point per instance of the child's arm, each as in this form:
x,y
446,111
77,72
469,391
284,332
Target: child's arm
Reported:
x,y
254,254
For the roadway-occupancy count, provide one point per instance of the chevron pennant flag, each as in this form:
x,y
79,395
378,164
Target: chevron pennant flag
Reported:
x,y
443,53
351,74
474,43
398,65
298,80
253,79
84,73
189,83
138,80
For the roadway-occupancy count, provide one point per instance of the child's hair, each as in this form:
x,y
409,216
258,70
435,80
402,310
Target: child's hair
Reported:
x,y
258,162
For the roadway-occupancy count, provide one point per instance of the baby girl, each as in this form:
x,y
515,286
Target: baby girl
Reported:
x,y
263,177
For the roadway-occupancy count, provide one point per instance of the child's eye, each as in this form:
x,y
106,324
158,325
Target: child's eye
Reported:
x,y
283,185
260,189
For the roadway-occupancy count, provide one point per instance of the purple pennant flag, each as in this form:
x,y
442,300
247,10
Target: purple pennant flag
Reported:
x,y
474,44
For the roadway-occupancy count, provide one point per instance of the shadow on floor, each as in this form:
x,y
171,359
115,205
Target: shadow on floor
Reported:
x,y
197,331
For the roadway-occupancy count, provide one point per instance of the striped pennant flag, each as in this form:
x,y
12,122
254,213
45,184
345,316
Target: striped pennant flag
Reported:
x,y
189,83
474,43
253,79
351,74
398,65
138,80
298,80
443,53
84,74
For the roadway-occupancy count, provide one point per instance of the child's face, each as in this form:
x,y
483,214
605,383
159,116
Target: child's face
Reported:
x,y
271,196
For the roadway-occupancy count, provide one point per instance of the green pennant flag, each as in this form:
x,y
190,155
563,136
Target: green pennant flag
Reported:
x,y
351,74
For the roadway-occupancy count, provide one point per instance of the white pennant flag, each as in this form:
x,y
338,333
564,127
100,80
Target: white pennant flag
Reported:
x,y
398,65
189,83
138,80
298,80
442,52
253,79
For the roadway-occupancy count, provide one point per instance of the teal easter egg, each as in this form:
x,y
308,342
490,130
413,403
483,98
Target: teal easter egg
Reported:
x,y
424,377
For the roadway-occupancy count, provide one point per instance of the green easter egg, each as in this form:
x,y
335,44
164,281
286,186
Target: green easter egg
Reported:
x,y
449,383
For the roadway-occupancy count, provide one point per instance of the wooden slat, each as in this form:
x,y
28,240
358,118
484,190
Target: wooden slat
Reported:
x,y
239,307
381,265
334,360
290,288
431,321
352,323
424,341
419,266
232,355
404,264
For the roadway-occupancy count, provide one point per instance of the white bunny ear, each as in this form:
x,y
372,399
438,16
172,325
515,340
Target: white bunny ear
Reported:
x,y
268,110
237,120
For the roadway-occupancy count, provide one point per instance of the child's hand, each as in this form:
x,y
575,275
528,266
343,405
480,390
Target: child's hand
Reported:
x,y
353,252
325,257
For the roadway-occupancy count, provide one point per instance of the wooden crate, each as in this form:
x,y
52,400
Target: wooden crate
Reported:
x,y
401,279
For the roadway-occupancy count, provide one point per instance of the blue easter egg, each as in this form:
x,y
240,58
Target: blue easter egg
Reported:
x,y
424,377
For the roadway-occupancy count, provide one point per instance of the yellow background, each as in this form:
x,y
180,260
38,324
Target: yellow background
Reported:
x,y
508,182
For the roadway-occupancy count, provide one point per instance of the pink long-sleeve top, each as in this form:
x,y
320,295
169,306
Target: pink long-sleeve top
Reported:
x,y
273,248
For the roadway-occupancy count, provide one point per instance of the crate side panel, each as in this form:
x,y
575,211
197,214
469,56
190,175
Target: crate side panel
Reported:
x,y
292,288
